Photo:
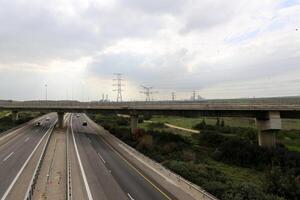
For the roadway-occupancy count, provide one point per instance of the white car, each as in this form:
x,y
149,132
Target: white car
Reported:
x,y
47,119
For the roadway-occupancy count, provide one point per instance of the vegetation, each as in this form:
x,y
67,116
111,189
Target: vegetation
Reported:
x,y
190,122
6,122
224,160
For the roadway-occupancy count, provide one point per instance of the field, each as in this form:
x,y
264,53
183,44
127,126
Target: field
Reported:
x,y
187,122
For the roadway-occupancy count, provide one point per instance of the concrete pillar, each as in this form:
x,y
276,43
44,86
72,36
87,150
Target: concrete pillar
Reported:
x,y
60,119
266,126
15,116
134,123
267,139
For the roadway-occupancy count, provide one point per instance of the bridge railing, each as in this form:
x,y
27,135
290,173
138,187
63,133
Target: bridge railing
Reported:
x,y
139,104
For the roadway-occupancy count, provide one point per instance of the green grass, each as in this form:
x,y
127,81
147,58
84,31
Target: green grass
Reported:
x,y
288,124
4,114
291,139
187,122
238,174
190,122
147,126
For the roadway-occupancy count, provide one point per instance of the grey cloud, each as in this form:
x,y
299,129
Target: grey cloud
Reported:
x,y
156,6
36,34
154,70
204,15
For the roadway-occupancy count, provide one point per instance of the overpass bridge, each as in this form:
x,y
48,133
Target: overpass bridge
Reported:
x,y
268,115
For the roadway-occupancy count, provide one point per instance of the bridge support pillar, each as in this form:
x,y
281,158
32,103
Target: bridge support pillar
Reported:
x,y
134,123
60,119
266,126
15,115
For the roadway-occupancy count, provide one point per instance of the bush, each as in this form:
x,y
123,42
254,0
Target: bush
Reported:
x,y
212,138
242,153
156,125
121,121
146,142
243,191
200,125
282,183
249,134
215,187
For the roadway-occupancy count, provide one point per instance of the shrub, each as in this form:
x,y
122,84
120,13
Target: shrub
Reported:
x,y
215,187
146,142
156,125
200,125
212,138
242,153
282,183
121,121
243,191
188,155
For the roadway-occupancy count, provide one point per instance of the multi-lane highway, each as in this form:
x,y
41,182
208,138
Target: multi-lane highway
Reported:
x,y
16,152
93,167
105,173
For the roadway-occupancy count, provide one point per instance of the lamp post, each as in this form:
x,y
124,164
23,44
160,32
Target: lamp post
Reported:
x,y
46,92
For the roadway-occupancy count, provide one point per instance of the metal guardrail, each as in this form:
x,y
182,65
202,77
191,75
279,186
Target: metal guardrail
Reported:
x,y
30,190
68,170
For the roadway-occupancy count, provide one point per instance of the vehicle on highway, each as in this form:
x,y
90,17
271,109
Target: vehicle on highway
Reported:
x,y
84,123
38,123
77,115
47,119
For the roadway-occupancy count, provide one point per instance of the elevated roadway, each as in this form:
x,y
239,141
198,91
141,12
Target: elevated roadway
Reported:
x,y
166,108
268,115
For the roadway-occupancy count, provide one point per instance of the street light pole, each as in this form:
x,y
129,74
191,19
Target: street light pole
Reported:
x,y
46,92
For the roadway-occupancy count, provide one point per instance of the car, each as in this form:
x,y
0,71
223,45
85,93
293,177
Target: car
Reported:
x,y
77,115
84,123
38,123
47,119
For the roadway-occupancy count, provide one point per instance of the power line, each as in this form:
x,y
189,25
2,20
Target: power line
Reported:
x,y
147,91
119,85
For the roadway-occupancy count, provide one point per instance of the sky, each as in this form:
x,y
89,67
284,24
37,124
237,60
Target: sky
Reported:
x,y
218,48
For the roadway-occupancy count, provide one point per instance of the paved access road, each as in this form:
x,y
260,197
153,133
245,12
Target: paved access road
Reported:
x,y
15,152
106,174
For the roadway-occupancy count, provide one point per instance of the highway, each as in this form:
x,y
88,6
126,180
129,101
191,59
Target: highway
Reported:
x,y
105,173
16,151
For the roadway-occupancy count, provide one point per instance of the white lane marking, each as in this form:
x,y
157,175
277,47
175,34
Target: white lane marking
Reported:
x,y
101,158
24,165
130,197
7,157
26,139
87,187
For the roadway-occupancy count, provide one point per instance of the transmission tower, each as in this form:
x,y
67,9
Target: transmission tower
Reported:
x,y
119,85
193,96
173,96
147,91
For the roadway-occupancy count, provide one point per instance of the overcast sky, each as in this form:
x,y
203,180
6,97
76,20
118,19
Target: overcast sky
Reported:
x,y
220,48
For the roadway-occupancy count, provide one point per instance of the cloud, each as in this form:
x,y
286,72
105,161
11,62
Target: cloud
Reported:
x,y
177,45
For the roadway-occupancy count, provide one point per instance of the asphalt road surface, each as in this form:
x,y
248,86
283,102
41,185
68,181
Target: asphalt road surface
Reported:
x,y
16,151
108,175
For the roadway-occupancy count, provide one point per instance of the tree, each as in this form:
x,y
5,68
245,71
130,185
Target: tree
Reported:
x,y
222,123
218,122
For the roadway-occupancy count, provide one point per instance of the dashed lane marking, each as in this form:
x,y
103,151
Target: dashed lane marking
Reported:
x,y
7,157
